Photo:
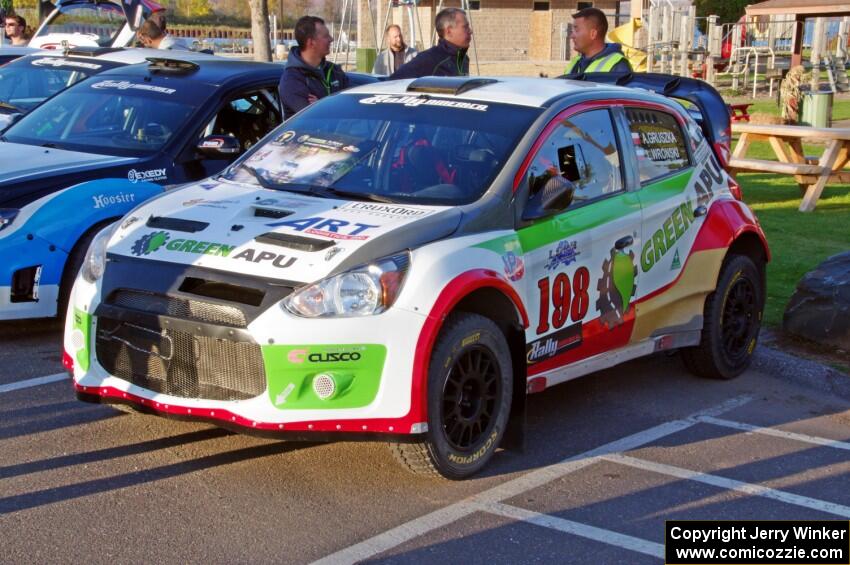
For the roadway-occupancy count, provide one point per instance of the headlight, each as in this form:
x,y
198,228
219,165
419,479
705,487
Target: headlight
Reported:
x,y
7,216
364,291
95,261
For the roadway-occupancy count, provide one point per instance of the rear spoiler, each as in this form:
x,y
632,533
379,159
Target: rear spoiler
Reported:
x,y
715,118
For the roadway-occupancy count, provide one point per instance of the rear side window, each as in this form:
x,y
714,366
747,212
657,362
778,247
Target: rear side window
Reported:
x,y
659,143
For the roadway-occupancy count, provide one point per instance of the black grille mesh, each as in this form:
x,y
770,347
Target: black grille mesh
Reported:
x,y
180,364
195,310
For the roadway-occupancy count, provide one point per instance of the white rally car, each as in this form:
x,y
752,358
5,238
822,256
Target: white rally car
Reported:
x,y
410,259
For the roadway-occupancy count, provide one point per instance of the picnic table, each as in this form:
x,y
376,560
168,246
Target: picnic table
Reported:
x,y
811,172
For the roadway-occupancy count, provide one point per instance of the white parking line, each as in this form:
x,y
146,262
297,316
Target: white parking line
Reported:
x,y
444,516
731,484
38,381
776,433
576,528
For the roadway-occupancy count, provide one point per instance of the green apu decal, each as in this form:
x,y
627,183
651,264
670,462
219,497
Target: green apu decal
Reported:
x,y
355,370
665,237
82,323
154,241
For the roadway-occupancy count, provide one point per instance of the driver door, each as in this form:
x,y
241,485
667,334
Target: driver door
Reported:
x,y
581,259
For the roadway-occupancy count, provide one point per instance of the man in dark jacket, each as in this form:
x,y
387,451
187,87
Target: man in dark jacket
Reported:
x,y
308,76
448,57
595,56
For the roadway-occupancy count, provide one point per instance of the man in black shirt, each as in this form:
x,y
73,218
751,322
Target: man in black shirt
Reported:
x,y
448,57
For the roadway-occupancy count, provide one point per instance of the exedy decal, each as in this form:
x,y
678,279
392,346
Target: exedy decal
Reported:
x,y
135,176
616,288
553,344
333,229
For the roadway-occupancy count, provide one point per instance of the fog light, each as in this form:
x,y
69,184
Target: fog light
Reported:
x,y
78,340
324,386
330,385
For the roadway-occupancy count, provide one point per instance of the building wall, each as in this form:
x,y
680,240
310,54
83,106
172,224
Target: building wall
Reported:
x,y
502,28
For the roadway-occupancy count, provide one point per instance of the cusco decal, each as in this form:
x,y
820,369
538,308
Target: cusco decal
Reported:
x,y
355,371
327,227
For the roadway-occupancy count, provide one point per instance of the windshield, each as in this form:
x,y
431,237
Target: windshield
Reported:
x,y
25,83
108,116
101,20
415,149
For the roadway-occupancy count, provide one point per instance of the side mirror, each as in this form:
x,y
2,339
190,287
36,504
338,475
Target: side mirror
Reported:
x,y
219,147
555,195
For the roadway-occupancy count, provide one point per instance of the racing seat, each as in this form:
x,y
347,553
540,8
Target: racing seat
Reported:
x,y
420,165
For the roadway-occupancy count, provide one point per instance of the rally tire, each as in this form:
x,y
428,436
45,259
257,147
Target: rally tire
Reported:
x,y
732,320
470,378
73,265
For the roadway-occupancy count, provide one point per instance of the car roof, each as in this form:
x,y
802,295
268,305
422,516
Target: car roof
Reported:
x,y
211,69
121,55
522,91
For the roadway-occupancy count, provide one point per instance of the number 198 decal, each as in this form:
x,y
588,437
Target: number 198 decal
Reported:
x,y
569,301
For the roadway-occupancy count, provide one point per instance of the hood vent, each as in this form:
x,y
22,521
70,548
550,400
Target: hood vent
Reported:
x,y
176,224
270,213
294,241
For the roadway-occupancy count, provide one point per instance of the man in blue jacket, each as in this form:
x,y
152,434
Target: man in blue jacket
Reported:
x,y
595,56
308,76
448,57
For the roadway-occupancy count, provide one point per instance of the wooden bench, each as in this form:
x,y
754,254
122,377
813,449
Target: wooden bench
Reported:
x,y
740,112
810,173
765,166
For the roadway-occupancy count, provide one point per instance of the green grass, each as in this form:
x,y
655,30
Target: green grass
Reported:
x,y
840,108
798,241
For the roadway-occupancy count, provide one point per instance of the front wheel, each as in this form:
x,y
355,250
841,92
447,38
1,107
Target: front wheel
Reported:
x,y
732,321
470,380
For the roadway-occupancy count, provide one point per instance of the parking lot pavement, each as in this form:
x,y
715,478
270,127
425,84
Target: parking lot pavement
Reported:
x,y
608,458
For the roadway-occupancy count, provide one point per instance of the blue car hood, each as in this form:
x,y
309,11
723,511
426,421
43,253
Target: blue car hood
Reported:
x,y
19,163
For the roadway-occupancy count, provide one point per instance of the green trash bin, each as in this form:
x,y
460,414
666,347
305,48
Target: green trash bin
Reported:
x,y
816,109
366,59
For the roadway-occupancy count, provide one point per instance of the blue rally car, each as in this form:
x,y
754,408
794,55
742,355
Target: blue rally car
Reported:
x,y
93,152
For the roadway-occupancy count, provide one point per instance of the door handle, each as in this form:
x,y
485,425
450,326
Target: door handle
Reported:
x,y
700,211
624,242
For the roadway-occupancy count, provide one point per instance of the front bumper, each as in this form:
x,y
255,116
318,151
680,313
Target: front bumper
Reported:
x,y
171,360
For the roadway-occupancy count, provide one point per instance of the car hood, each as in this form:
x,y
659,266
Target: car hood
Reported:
x,y
273,234
19,162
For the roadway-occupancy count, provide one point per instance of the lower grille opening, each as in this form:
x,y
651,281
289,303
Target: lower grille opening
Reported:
x,y
178,363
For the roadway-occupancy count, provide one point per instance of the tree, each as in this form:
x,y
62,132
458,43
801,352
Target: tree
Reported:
x,y
729,11
260,30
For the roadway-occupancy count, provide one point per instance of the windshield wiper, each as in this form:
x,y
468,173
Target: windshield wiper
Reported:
x,y
263,182
49,145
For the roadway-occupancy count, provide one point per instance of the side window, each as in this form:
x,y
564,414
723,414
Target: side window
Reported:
x,y
583,150
659,143
247,116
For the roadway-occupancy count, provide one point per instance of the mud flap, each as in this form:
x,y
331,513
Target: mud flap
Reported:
x,y
514,438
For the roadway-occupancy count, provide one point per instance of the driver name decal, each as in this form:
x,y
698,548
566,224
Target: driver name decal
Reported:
x,y
412,101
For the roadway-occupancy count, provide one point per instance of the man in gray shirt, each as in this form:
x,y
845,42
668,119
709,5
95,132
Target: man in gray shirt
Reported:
x,y
397,53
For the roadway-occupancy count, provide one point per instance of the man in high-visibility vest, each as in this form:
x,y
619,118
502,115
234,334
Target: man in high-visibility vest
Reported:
x,y
595,56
